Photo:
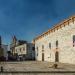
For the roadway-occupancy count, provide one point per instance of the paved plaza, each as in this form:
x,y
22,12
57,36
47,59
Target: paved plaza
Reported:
x,y
35,66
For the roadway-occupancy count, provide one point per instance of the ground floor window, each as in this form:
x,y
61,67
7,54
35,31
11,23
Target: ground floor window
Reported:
x,y
56,56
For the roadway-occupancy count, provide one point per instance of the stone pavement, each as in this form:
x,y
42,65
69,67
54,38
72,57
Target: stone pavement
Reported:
x,y
35,66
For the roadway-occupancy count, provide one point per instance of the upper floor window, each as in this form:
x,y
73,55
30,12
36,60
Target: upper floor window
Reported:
x,y
20,49
50,45
57,44
73,40
42,46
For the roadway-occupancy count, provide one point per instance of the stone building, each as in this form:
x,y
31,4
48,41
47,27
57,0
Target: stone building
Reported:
x,y
58,43
21,49
25,51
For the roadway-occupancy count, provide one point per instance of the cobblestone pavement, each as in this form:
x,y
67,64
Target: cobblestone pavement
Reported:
x,y
37,66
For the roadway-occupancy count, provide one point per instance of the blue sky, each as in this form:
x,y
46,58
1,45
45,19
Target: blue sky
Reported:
x,y
28,18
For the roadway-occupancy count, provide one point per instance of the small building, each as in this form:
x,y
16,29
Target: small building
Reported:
x,y
58,43
22,50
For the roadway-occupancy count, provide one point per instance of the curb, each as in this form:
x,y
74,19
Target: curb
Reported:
x,y
38,72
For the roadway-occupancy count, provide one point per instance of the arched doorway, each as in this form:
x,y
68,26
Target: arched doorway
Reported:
x,y
56,56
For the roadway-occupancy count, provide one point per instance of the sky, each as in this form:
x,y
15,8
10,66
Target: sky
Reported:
x,y
27,19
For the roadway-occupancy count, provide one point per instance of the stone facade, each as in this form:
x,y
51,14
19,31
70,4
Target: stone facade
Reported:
x,y
21,49
15,42
57,44
25,51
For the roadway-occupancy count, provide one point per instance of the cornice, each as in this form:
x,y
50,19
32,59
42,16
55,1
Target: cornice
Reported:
x,y
57,26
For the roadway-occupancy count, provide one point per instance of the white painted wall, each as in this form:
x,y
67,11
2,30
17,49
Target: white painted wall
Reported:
x,y
22,49
27,50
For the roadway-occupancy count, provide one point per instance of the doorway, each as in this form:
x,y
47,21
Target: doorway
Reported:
x,y
56,56
42,56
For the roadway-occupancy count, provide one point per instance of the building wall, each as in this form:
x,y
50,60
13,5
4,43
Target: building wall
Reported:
x,y
22,49
64,35
25,49
31,51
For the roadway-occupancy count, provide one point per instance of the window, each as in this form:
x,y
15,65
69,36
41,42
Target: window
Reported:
x,y
73,40
33,48
20,49
56,44
23,48
37,48
37,51
50,45
16,50
42,46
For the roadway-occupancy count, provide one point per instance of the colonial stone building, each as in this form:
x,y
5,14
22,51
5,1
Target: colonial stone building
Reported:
x,y
58,43
25,51
22,50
